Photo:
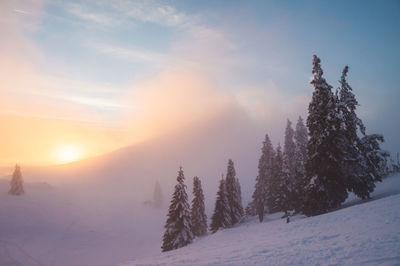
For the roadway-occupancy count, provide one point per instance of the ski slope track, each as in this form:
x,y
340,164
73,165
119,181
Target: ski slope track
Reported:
x,y
361,234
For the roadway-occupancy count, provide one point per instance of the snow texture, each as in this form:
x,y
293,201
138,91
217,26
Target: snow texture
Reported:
x,y
361,234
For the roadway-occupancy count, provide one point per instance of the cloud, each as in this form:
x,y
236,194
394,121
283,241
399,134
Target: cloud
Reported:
x,y
113,13
270,103
172,100
128,53
149,11
85,13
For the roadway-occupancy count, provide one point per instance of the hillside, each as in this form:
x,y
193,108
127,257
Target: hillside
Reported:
x,y
60,226
362,234
202,150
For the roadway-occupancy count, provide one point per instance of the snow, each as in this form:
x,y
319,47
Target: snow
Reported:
x,y
53,225
362,234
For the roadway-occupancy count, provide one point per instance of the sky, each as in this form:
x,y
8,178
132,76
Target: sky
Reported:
x,y
82,78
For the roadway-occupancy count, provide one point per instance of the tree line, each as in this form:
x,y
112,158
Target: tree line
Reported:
x,y
321,162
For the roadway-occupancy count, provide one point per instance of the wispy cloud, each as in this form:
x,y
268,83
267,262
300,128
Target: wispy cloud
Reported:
x,y
149,11
127,53
85,13
21,11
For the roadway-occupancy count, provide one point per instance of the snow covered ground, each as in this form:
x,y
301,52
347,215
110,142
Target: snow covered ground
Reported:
x,y
57,227
91,226
360,234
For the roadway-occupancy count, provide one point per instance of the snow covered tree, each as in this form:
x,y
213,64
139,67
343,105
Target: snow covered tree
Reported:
x,y
250,209
157,196
17,186
239,198
326,187
259,203
178,226
278,186
363,158
233,194
301,139
198,214
221,217
289,167
373,160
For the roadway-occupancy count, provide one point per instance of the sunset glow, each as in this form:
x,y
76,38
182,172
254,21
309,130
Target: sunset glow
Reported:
x,y
126,76
68,153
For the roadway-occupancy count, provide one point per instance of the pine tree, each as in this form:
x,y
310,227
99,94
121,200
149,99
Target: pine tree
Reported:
x,y
373,158
233,194
250,209
362,157
157,196
289,168
221,217
351,167
301,139
178,226
17,186
278,185
197,214
239,198
326,188
265,163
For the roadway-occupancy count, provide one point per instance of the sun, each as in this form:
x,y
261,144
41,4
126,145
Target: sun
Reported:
x,y
68,153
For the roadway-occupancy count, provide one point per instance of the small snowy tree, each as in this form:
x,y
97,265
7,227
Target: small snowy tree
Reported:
x,y
278,186
16,184
233,194
250,209
326,187
178,226
265,163
289,168
373,160
239,199
197,214
157,195
301,139
221,217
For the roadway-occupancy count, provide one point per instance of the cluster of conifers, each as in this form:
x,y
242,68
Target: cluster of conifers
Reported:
x,y
313,175
185,222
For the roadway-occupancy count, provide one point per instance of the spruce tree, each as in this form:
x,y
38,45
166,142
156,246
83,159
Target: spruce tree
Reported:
x,y
16,184
351,166
373,158
289,167
259,203
221,217
278,186
197,214
326,187
233,194
178,226
362,157
301,139
157,195
239,198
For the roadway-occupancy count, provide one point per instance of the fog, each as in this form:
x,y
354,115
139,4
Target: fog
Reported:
x,y
72,212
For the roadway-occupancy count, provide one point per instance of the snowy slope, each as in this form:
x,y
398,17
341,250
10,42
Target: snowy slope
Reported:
x,y
362,234
57,227
74,226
